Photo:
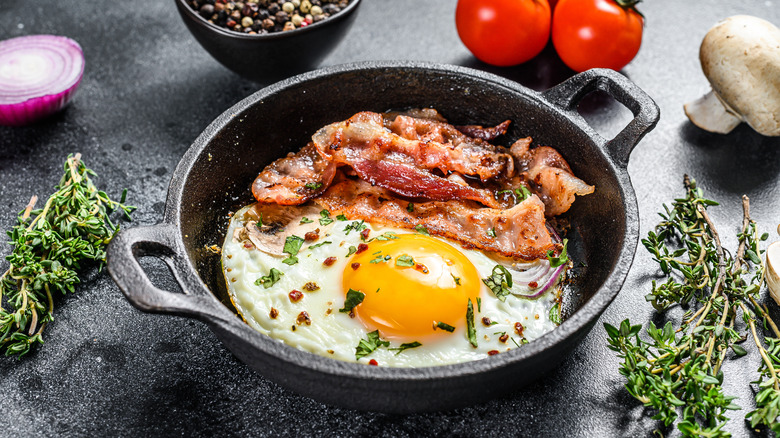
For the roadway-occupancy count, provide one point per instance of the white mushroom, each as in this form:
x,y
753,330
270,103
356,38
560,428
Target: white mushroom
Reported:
x,y
740,56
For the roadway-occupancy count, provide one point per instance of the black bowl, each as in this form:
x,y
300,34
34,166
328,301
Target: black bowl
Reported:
x,y
214,176
270,56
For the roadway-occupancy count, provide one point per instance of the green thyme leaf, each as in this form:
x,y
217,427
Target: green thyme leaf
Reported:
x,y
317,245
479,304
444,326
555,314
305,220
368,345
404,261
269,280
471,330
405,346
313,186
457,279
325,218
561,259
500,282
410,207
342,218
354,297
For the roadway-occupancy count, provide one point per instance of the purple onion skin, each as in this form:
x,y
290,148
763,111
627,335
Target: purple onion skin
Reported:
x,y
547,286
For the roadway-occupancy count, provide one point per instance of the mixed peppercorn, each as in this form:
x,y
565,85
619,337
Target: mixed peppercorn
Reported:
x,y
266,16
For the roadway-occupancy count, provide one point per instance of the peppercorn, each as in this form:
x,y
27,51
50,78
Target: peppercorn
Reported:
x,y
247,22
273,8
281,17
206,10
288,7
296,20
236,15
316,10
268,24
288,26
305,6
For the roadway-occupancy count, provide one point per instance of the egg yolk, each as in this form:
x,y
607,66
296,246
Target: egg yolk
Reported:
x,y
411,284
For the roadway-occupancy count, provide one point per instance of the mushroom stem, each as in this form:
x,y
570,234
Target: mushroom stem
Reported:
x,y
711,114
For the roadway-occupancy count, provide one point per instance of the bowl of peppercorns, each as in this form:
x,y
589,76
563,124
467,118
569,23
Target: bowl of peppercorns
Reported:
x,y
265,40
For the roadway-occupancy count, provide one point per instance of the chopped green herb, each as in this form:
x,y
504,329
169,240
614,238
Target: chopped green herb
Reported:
x,y
380,258
341,217
351,251
444,326
555,314
269,280
305,220
327,242
356,226
422,230
368,345
471,330
500,282
354,297
479,304
522,341
457,279
405,346
410,207
325,218
313,186
387,235
491,232
520,194
562,259
404,261
292,245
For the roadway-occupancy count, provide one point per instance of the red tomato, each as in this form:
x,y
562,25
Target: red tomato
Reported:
x,y
503,32
596,33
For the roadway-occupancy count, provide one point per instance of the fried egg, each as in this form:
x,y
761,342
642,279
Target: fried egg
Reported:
x,y
384,296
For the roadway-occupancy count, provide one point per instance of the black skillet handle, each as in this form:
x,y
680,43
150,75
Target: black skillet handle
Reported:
x,y
568,94
159,241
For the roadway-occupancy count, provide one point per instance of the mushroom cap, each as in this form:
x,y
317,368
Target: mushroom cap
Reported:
x,y
740,56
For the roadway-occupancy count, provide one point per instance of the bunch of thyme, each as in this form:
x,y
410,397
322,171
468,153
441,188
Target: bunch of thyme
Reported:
x,y
49,246
678,372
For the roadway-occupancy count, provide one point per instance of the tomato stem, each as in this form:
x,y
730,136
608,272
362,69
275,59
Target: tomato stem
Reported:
x,y
630,5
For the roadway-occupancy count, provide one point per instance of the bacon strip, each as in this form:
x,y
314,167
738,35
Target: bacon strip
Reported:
x,y
520,231
294,179
553,179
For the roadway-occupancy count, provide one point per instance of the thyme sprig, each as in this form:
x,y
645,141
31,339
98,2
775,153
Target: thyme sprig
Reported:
x,y
50,245
678,372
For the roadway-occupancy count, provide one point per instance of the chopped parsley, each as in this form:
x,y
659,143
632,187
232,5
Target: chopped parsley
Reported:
x,y
492,232
380,258
520,194
410,207
404,260
269,280
305,220
500,282
368,345
444,326
317,245
356,226
561,259
341,217
354,297
555,314
387,235
313,186
351,251
325,218
471,330
479,304
422,230
457,279
405,346
292,245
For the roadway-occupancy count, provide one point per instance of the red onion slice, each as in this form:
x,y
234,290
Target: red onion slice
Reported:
x,y
38,76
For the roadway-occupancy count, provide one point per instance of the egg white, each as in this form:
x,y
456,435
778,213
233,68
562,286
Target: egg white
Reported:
x,y
336,335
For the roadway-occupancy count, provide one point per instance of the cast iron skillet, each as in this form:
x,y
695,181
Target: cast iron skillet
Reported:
x,y
214,176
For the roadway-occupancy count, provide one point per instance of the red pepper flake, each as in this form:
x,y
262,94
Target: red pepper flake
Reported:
x,y
364,235
311,287
295,295
519,328
329,261
420,267
533,285
373,362
486,321
273,313
303,318
355,265
503,338
361,247
492,352
248,245
311,236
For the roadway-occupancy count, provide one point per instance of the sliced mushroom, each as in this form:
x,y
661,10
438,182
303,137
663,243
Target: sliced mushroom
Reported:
x,y
268,225
740,57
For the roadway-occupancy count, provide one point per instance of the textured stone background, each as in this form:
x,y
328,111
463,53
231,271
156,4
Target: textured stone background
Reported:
x,y
149,90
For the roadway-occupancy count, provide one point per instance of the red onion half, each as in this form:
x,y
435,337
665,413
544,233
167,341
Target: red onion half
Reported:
x,y
38,76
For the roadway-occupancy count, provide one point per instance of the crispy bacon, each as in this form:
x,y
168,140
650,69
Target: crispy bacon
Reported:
x,y
294,179
553,179
520,231
486,134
